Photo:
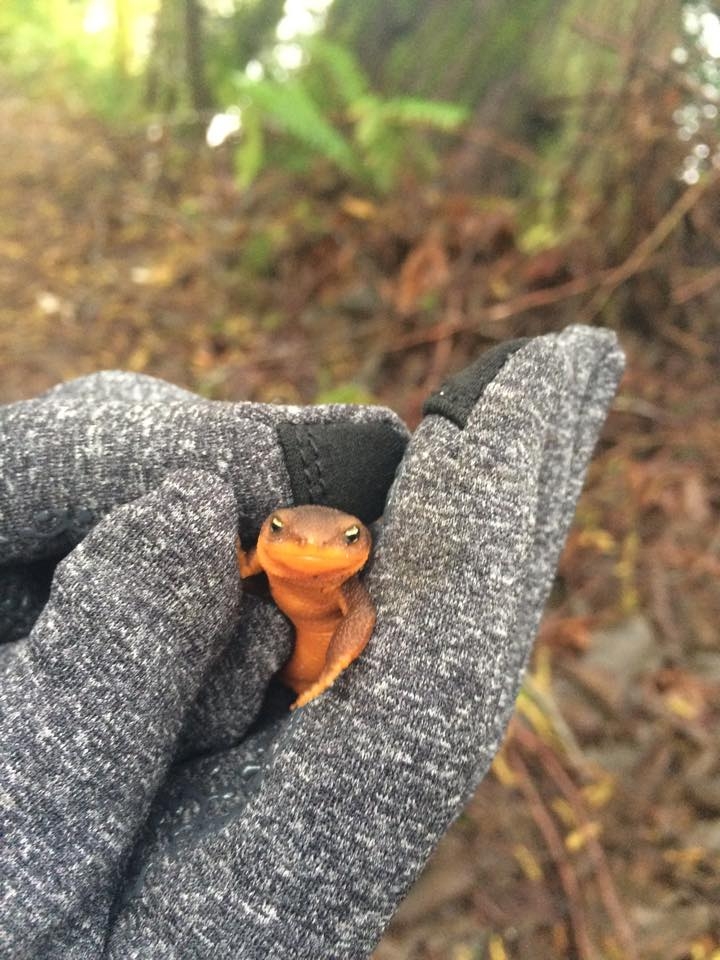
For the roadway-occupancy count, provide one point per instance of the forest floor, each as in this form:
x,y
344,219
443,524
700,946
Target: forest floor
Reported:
x,y
598,832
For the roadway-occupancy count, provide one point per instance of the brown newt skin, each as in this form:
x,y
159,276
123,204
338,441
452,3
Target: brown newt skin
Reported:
x,y
311,556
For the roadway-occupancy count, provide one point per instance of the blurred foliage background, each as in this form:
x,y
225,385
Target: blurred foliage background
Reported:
x,y
308,201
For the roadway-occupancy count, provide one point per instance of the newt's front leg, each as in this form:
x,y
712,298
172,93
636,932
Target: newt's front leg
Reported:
x,y
247,560
348,641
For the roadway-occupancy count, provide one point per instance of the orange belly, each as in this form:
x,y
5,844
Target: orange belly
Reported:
x,y
308,658
315,614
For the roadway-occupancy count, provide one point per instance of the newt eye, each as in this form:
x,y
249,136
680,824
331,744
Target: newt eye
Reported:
x,y
276,524
352,533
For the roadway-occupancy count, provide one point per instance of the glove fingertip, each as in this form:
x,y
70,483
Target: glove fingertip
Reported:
x,y
457,397
346,465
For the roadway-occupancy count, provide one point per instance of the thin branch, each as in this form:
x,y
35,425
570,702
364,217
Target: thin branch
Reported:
x,y
696,287
685,340
649,244
620,45
502,311
507,147
605,283
553,841
545,297
439,360
556,772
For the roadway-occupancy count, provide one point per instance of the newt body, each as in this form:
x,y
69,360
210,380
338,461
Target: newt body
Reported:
x,y
312,556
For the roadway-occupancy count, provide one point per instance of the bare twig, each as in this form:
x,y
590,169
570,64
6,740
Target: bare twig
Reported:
x,y
440,357
508,148
553,841
560,727
545,297
662,606
439,331
604,283
698,286
554,769
502,311
620,45
649,244
686,340
641,408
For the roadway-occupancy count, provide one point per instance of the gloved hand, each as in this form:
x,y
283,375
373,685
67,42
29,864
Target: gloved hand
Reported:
x,y
149,807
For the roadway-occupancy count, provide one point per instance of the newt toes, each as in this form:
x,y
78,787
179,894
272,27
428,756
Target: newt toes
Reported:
x,y
312,556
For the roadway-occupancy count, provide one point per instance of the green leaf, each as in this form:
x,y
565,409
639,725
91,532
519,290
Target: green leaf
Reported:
x,y
250,155
369,121
294,110
348,79
435,114
345,393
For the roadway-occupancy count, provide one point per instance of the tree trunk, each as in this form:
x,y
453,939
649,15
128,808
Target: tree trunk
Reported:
x,y
195,57
175,78
433,49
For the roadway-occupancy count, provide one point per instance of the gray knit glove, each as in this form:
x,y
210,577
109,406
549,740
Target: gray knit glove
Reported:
x,y
149,807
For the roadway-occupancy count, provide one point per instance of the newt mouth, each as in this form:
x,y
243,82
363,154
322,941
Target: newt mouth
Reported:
x,y
303,562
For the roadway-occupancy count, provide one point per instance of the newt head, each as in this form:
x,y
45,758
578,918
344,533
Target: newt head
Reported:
x,y
304,543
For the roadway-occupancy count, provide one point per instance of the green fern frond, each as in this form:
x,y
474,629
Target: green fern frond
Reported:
x,y
435,114
341,64
294,110
250,154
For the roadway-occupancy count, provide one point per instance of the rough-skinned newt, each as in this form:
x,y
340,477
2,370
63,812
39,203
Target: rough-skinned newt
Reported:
x,y
312,556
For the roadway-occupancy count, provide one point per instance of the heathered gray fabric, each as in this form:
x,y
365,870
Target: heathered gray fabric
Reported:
x,y
119,385
594,365
67,459
299,841
93,702
82,454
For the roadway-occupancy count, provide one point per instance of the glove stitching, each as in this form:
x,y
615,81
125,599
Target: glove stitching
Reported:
x,y
302,449
319,493
305,448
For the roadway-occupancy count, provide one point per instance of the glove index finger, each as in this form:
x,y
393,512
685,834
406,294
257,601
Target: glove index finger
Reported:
x,y
456,398
77,453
